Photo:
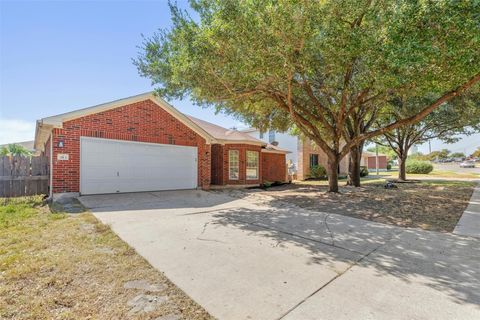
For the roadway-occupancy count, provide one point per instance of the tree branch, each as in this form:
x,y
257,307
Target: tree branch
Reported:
x,y
419,116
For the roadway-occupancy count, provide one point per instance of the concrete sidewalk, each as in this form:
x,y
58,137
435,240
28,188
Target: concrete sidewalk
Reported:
x,y
240,260
469,223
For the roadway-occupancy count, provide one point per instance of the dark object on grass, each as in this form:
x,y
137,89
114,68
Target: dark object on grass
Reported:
x,y
390,185
267,184
363,171
405,181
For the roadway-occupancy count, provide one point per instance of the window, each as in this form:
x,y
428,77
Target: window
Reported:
x,y
233,165
271,136
252,165
313,160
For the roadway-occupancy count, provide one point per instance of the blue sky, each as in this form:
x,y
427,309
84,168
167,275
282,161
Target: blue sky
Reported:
x,y
58,56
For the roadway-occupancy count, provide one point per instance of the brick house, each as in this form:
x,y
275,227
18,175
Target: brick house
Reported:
x,y
369,160
142,143
304,155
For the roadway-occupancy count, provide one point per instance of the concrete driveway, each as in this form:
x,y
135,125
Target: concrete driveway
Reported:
x,y
242,260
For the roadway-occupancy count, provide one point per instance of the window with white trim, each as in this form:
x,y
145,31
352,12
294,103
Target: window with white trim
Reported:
x,y
233,164
252,165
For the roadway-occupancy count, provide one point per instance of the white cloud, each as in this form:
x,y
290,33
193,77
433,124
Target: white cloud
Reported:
x,y
16,130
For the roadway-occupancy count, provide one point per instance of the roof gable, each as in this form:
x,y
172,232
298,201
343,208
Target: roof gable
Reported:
x,y
221,134
58,120
209,131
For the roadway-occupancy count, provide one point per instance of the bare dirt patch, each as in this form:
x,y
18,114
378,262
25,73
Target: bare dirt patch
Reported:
x,y
59,266
429,205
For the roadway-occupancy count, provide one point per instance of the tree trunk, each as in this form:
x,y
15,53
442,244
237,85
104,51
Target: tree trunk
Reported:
x,y
354,166
402,174
402,161
332,172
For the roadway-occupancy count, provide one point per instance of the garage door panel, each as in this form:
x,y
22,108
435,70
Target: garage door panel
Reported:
x,y
110,166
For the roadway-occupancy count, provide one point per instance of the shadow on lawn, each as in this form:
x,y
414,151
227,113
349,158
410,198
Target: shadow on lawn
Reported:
x,y
430,205
444,262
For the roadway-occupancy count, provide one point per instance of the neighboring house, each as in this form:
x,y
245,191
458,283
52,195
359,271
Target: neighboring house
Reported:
x,y
142,143
305,153
369,160
287,141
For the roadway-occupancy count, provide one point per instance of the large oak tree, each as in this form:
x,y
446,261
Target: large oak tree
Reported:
x,y
459,116
312,64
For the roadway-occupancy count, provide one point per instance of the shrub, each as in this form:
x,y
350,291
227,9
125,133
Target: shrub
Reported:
x,y
266,184
415,166
389,166
318,171
363,171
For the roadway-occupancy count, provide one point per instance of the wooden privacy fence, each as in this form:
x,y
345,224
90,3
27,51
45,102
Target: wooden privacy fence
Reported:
x,y
23,176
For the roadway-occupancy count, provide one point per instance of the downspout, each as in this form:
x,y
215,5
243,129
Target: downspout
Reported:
x,y
50,196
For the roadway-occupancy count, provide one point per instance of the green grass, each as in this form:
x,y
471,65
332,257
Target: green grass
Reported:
x,y
435,173
384,176
61,266
14,211
452,174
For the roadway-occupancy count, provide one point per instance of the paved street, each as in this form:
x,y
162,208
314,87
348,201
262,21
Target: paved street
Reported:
x,y
455,167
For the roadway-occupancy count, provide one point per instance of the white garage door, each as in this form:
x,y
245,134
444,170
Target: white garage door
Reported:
x,y
110,166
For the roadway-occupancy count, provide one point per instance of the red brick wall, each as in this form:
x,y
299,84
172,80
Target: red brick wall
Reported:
x,y
143,121
274,167
217,164
221,164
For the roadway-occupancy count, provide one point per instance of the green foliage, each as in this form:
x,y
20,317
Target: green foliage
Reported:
x,y
363,171
266,184
440,155
318,171
418,167
243,56
15,150
457,155
389,166
459,116
275,64
421,157
476,153
386,150
14,210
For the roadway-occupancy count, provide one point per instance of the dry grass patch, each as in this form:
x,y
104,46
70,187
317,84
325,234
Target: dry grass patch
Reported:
x,y
58,266
430,205
446,174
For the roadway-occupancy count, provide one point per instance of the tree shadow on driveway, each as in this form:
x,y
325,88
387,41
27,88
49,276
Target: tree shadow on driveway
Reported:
x,y
444,262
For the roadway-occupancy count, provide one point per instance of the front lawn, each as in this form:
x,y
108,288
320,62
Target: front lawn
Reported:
x,y
443,172
431,205
59,266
